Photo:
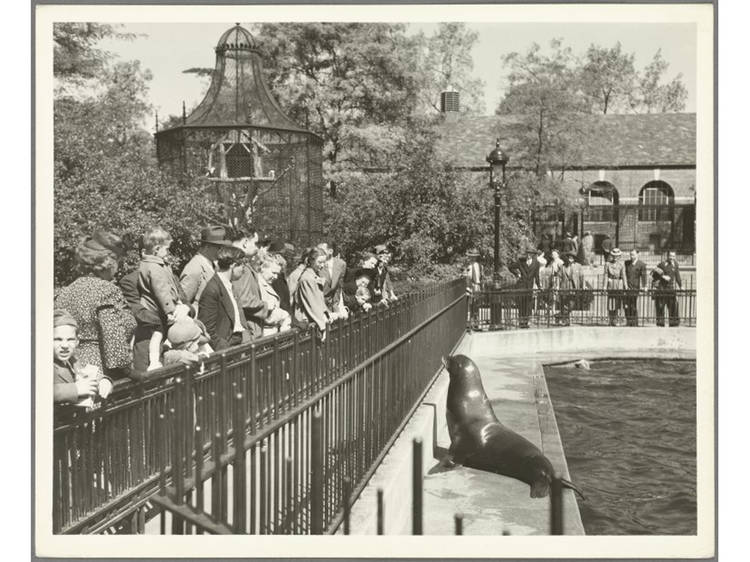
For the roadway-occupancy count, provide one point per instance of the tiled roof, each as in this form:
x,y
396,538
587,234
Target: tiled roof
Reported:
x,y
608,141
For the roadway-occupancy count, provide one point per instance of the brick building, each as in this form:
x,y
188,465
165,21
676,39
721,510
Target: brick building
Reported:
x,y
633,176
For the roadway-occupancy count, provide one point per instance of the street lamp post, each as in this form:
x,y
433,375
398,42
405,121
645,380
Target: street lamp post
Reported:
x,y
497,159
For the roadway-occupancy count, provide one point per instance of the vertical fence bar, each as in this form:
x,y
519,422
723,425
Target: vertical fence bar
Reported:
x,y
459,522
239,470
347,508
416,521
316,467
381,512
198,474
216,484
556,506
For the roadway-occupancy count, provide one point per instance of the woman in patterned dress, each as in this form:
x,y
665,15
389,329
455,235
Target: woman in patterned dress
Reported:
x,y
105,322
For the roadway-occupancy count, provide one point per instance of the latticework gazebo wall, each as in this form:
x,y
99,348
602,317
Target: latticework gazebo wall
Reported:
x,y
241,144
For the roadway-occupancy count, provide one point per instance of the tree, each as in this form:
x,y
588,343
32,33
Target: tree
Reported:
x,y
448,63
334,77
608,78
655,97
544,97
105,174
430,213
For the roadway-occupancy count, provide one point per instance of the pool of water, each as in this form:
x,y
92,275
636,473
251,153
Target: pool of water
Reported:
x,y
628,430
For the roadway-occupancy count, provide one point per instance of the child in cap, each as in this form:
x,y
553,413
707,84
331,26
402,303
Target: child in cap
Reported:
x,y
188,342
75,384
158,292
362,296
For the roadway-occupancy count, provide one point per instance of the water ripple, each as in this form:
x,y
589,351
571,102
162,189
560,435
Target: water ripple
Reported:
x,y
628,429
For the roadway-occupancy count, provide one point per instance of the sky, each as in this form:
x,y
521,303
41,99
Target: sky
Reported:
x,y
166,49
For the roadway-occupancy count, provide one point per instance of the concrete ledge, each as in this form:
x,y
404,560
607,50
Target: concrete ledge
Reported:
x,y
584,338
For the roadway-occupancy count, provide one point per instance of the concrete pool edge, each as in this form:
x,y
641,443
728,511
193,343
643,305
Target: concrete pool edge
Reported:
x,y
549,346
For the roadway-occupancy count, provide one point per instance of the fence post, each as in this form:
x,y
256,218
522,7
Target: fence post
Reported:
x,y
347,490
238,470
381,512
416,522
459,519
556,506
316,467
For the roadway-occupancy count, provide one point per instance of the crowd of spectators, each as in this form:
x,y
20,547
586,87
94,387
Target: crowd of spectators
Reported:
x,y
557,268
237,288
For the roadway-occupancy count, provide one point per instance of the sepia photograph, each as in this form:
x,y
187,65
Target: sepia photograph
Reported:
x,y
338,277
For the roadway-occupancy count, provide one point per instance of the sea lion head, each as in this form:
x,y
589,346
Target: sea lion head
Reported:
x,y
538,473
462,369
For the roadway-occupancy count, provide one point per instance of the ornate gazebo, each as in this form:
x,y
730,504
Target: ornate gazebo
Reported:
x,y
266,169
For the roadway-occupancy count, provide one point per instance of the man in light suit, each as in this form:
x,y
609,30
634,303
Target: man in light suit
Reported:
x,y
635,272
200,268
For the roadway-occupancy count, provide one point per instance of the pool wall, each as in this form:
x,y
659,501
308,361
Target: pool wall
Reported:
x,y
511,363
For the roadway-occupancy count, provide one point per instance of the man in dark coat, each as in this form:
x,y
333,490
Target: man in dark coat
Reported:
x,y
635,272
219,307
526,270
667,280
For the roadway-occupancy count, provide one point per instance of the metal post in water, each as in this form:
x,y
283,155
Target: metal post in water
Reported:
x,y
316,467
416,521
459,519
556,506
381,511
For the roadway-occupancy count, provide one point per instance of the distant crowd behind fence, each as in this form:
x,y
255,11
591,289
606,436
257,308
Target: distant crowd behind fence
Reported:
x,y
507,309
365,378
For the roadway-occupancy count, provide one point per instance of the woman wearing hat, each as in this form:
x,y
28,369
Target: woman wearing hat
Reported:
x,y
105,322
616,283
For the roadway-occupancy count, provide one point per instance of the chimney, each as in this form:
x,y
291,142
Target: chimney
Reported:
x,y
449,101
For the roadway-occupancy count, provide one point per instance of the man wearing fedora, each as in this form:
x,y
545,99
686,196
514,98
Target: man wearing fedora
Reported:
x,y
200,268
526,270
635,272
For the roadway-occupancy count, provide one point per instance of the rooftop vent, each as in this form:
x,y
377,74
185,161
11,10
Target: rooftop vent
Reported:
x,y
449,101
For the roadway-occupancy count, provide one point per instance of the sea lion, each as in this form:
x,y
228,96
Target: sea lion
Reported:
x,y
479,440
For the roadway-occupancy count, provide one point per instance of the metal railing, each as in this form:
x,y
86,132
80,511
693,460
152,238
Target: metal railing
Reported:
x,y
300,473
506,309
373,366
186,514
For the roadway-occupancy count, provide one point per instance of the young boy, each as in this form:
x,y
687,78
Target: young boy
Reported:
x,y
158,292
189,342
73,383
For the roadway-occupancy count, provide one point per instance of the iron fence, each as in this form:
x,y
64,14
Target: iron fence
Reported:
x,y
301,472
107,463
542,308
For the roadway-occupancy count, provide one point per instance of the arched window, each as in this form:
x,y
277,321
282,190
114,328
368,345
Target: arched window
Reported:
x,y
655,202
602,201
